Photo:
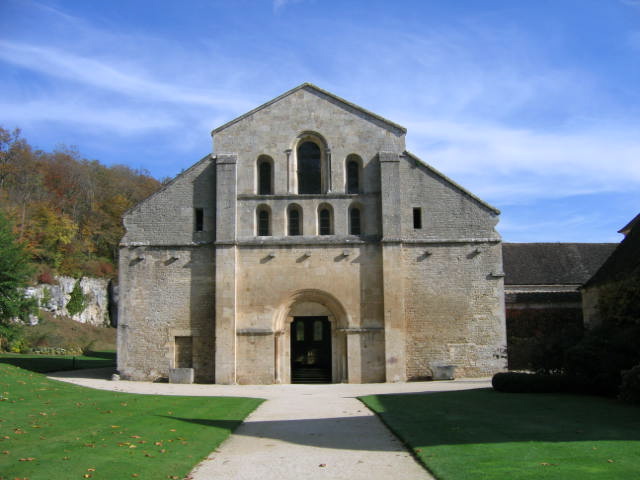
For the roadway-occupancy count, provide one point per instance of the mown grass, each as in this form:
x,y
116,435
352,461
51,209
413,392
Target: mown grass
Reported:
x,y
482,434
56,363
51,429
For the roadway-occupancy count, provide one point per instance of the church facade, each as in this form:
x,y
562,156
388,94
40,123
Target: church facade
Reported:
x,y
310,246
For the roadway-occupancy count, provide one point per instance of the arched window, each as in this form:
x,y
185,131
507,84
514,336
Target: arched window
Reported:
x,y
265,175
353,174
325,220
309,168
263,221
355,227
294,220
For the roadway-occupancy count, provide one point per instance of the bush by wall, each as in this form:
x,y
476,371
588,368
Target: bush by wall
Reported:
x,y
515,382
630,388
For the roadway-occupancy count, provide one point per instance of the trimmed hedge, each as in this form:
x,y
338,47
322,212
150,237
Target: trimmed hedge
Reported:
x,y
514,382
630,388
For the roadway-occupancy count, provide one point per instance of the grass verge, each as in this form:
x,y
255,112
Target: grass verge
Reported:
x,y
482,434
51,429
57,363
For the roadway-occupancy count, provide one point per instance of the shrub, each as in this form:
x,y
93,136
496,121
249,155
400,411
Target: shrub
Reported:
x,y
630,388
514,382
77,302
597,361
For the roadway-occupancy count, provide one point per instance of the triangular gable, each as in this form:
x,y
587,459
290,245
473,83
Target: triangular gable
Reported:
x,y
311,87
167,185
458,187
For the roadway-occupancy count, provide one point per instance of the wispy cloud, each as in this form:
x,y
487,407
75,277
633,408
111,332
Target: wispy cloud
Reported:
x,y
514,165
109,76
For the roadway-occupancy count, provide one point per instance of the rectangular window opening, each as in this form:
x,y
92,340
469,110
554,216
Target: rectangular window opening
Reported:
x,y
184,352
417,218
199,219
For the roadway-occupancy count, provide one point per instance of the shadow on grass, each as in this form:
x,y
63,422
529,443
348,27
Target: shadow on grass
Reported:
x,y
485,416
57,363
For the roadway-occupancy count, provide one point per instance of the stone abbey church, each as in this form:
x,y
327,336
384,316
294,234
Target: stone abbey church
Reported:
x,y
310,246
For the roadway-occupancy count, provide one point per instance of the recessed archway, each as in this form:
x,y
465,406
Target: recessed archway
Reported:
x,y
307,304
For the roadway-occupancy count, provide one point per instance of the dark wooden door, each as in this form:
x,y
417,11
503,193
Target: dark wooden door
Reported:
x,y
310,350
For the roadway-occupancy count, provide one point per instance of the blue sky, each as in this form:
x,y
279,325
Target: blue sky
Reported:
x,y
533,105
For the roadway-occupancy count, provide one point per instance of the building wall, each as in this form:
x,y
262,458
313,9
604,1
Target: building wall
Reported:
x,y
351,275
395,310
454,309
167,217
165,292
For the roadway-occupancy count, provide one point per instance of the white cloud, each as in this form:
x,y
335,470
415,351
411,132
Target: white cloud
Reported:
x,y
510,165
83,115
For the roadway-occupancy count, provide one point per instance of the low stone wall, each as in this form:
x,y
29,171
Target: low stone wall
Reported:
x,y
54,298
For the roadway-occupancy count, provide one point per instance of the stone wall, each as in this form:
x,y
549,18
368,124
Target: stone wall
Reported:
x,y
54,298
165,293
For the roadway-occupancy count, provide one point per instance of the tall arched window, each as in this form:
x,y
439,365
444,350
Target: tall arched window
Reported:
x,y
353,174
309,168
294,220
355,226
263,221
325,220
265,175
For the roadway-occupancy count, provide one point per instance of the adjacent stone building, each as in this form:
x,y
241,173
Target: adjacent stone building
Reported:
x,y
310,246
542,293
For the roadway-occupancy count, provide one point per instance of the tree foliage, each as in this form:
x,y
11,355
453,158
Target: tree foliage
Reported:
x,y
66,208
15,271
77,301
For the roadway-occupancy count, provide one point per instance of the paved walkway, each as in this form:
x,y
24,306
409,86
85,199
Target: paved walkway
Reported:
x,y
300,432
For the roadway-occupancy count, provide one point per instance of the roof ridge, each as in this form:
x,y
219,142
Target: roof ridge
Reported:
x,y
319,90
452,182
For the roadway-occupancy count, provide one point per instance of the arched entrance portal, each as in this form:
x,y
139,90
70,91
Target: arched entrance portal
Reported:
x,y
310,342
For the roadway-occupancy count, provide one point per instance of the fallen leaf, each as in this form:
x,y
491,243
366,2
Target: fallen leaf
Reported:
x,y
115,426
5,452
28,459
91,469
610,461
135,436
322,465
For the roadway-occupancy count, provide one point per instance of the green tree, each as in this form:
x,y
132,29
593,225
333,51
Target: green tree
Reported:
x,y
77,302
15,272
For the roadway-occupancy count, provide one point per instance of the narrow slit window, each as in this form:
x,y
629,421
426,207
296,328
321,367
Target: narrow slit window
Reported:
x,y
199,219
264,224
353,177
265,185
294,222
417,218
325,222
354,221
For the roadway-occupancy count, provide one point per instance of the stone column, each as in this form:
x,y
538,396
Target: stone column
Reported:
x,y
392,271
225,266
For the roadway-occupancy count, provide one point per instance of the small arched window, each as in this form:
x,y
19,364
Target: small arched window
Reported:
x,y
355,226
265,175
263,221
309,168
294,220
353,174
325,221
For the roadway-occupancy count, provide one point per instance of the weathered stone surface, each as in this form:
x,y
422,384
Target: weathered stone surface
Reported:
x,y
398,297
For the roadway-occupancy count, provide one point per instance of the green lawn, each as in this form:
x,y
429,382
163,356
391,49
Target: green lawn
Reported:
x,y
482,434
54,430
56,363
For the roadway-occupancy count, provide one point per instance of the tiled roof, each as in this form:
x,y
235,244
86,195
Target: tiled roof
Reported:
x,y
553,263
